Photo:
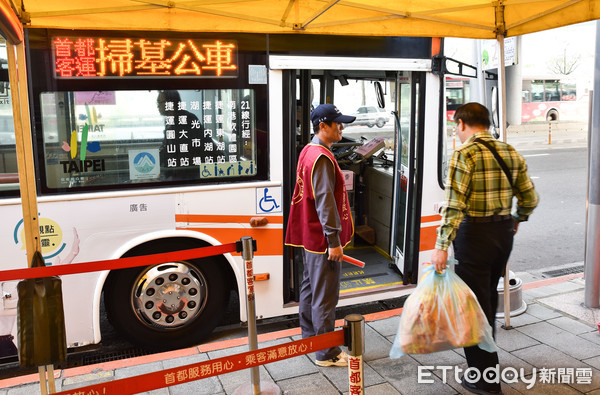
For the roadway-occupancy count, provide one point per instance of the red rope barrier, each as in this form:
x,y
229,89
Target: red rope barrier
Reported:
x,y
213,367
112,264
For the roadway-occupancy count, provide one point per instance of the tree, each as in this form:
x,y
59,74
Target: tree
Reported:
x,y
564,64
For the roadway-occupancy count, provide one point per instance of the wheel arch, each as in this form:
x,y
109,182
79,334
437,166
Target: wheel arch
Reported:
x,y
553,112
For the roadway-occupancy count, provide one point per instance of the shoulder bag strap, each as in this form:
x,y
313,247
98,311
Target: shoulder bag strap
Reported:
x,y
498,159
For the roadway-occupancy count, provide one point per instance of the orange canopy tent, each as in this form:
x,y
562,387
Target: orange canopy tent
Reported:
x,y
440,18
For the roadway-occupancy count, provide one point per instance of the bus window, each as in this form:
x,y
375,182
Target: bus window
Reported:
x,y
537,91
526,91
454,97
9,179
357,98
457,94
551,91
568,91
112,138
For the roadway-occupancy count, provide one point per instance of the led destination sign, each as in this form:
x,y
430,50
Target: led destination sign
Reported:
x,y
86,57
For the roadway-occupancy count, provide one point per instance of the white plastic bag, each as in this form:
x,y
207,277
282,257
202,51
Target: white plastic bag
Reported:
x,y
442,313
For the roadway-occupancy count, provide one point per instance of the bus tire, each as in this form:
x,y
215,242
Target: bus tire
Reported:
x,y
171,305
552,115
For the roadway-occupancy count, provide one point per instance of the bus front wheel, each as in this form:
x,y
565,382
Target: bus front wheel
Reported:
x,y
176,304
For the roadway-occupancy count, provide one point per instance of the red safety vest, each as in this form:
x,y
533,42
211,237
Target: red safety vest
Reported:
x,y
304,228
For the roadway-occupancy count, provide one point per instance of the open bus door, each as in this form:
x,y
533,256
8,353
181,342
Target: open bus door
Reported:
x,y
404,171
380,196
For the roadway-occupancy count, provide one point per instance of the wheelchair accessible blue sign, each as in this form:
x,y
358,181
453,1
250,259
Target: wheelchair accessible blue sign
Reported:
x,y
268,200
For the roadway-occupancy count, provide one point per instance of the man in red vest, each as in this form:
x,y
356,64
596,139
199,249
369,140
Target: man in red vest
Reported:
x,y
320,222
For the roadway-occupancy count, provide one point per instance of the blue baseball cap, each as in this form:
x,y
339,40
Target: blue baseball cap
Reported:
x,y
329,113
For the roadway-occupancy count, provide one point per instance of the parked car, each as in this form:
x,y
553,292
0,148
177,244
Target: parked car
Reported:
x,y
370,116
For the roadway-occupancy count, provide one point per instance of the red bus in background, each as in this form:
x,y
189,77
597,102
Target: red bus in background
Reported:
x,y
542,100
457,94
552,100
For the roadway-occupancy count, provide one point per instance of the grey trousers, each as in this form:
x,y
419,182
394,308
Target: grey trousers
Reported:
x,y
319,295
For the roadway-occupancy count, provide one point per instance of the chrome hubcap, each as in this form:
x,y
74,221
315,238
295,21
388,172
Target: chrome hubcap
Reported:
x,y
169,296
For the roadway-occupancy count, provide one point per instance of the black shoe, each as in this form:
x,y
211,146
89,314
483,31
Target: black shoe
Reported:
x,y
472,387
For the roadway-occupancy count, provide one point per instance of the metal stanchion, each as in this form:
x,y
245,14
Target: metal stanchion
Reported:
x,y
506,299
355,341
256,386
454,137
549,132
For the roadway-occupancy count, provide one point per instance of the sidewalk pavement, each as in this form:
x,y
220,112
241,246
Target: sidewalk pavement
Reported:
x,y
548,135
556,332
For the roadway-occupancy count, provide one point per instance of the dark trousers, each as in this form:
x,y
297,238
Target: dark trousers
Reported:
x,y
319,295
482,251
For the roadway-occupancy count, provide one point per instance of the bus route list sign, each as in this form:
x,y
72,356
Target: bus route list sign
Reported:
x,y
220,143
86,57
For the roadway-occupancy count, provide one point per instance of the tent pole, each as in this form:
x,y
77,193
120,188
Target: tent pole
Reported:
x,y
502,88
592,252
18,88
480,74
502,125
17,75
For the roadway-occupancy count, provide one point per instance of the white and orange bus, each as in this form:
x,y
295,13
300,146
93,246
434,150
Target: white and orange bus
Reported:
x,y
148,142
